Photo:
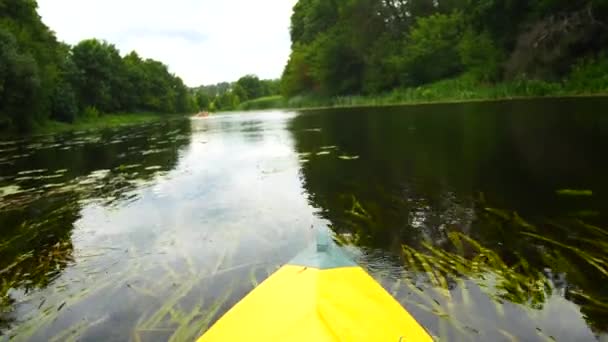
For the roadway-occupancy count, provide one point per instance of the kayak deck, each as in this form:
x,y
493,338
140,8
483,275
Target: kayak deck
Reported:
x,y
321,295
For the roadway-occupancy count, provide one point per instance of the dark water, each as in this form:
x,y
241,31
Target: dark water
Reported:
x,y
150,233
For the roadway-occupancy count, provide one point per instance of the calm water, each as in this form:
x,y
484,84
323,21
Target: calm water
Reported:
x,y
151,233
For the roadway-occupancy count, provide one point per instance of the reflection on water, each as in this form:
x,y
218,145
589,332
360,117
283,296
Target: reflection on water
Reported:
x,y
146,233
152,232
419,175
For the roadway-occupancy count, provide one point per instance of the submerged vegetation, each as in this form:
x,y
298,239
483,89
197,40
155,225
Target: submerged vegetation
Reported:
x,y
106,237
103,121
426,188
529,273
494,233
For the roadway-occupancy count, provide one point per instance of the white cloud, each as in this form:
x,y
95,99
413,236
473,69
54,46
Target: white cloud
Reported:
x,y
204,41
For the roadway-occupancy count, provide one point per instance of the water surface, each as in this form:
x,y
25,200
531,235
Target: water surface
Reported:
x,y
152,232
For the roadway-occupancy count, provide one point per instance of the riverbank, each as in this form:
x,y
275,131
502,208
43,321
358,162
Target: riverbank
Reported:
x,y
461,89
102,122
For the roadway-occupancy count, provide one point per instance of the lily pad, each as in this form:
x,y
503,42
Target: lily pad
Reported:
x,y
128,167
99,174
574,192
153,151
9,190
25,178
31,172
53,185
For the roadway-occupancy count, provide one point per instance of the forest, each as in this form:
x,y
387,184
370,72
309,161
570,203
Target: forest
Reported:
x,y
393,51
226,96
43,79
368,47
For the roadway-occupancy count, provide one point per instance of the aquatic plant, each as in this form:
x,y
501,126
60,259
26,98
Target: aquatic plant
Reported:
x,y
528,271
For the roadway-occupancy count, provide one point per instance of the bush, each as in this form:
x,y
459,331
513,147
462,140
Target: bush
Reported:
x,y
590,75
268,102
431,51
480,56
63,104
90,113
532,87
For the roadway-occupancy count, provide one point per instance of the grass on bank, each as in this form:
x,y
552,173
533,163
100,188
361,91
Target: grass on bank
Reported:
x,y
460,89
267,102
587,78
102,121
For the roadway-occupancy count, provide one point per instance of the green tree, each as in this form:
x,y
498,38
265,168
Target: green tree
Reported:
x,y
203,101
240,92
311,18
99,68
19,85
370,46
480,56
271,87
43,79
297,77
431,49
31,65
226,101
252,87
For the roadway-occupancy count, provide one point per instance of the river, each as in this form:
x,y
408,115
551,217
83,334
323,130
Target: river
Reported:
x,y
487,221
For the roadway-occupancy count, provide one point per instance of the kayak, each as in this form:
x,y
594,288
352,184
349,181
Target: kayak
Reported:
x,y
201,115
320,295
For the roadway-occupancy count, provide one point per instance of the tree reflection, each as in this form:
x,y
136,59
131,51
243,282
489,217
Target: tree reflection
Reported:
x,y
37,221
426,173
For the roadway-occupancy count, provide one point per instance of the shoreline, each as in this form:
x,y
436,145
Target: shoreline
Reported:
x,y
378,102
103,122
130,119
449,101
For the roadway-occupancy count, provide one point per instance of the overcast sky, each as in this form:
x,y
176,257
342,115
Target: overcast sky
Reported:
x,y
202,41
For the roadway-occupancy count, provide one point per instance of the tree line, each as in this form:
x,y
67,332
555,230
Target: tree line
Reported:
x,y
351,47
42,78
230,95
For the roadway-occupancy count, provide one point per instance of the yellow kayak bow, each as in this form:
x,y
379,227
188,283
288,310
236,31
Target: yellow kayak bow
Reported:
x,y
321,295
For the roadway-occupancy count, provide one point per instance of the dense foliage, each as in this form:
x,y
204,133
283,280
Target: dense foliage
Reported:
x,y
41,78
229,96
373,46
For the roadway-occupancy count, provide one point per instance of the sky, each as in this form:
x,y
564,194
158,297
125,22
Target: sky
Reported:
x,y
202,41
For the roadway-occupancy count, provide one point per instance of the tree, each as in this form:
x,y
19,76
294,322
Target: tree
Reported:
x,y
297,77
311,18
203,101
252,87
43,79
240,93
100,69
19,85
371,46
271,87
30,63
431,51
480,56
226,101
